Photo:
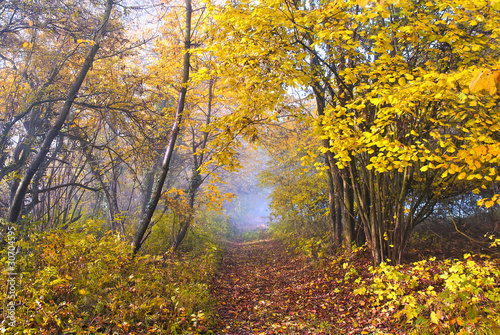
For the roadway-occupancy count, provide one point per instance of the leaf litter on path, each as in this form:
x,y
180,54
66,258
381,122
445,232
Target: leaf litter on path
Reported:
x,y
263,288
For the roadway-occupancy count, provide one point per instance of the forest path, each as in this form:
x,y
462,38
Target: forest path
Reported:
x,y
262,288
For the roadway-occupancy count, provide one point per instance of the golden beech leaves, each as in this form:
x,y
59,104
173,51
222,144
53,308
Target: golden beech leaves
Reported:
x,y
487,80
363,3
400,79
90,42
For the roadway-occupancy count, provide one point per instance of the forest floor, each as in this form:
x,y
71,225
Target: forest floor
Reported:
x,y
265,288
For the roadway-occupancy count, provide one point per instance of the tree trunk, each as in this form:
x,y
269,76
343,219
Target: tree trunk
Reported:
x,y
149,181
151,207
348,212
18,200
196,178
196,182
92,160
335,186
333,210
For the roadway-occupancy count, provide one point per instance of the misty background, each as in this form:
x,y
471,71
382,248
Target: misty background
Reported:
x,y
249,209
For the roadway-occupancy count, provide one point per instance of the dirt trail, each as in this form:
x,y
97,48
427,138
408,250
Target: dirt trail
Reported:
x,y
264,289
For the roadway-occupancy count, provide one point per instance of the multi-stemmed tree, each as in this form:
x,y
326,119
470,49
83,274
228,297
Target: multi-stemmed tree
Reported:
x,y
400,129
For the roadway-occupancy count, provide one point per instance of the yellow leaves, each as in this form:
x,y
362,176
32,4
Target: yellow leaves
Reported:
x,y
495,4
477,164
363,3
436,316
90,42
488,203
474,176
487,80
385,14
398,102
360,291
202,74
381,3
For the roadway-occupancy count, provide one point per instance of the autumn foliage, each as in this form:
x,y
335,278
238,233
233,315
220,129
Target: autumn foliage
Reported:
x,y
83,280
395,119
120,124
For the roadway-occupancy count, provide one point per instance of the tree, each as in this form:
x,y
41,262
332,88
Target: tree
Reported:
x,y
153,202
194,150
398,123
299,199
98,149
15,207
198,154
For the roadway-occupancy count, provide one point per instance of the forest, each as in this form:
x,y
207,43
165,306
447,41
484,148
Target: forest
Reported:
x,y
250,167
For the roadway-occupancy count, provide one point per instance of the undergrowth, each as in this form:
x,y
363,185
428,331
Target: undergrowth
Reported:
x,y
430,296
439,297
83,281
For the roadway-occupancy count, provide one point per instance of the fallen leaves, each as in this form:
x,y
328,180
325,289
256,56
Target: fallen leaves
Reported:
x,y
264,289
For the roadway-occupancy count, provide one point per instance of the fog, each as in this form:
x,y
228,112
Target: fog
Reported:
x,y
249,209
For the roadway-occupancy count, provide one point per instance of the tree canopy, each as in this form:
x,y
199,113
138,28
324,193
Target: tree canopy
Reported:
x,y
398,124
397,101
125,129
